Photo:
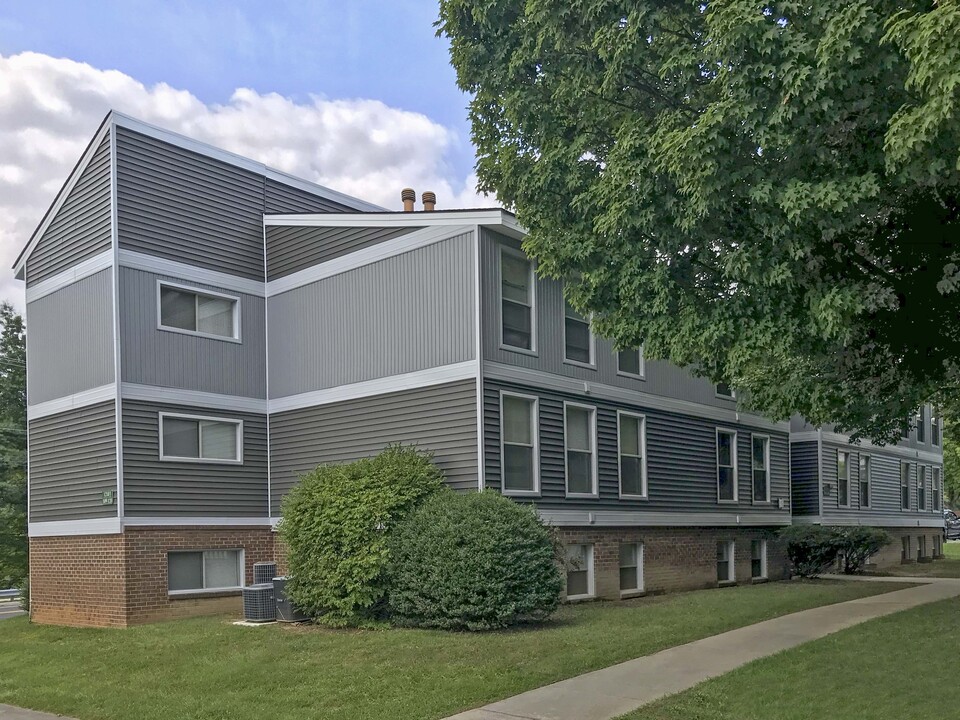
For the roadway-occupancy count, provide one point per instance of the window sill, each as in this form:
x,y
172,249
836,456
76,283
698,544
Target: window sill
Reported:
x,y
582,496
759,580
728,502
630,375
727,583
643,498
580,598
199,461
205,336
631,594
577,363
520,493
519,350
194,594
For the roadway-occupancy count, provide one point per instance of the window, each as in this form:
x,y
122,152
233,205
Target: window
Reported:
x,y
200,439
904,548
633,473
758,559
922,487
937,546
518,432
921,547
577,338
183,309
631,568
516,300
935,428
204,570
843,478
937,490
579,433
724,390
864,481
904,486
630,362
726,466
760,459
725,561
579,564
922,424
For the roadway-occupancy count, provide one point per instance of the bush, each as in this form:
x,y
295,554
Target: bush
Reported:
x,y
474,561
811,548
335,525
24,598
856,544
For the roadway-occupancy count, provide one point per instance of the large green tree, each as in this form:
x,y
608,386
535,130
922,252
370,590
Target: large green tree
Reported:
x,y
766,193
13,448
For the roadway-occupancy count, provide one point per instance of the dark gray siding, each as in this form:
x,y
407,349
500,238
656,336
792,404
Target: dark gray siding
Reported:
x,y
73,460
681,458
281,198
805,476
169,359
405,313
70,343
291,249
183,489
661,378
81,228
441,419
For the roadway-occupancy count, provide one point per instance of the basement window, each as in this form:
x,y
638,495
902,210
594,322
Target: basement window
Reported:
x,y
725,555
204,570
579,565
195,438
758,559
631,568
198,312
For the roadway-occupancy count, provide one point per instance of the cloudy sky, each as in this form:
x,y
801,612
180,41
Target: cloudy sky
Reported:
x,y
356,95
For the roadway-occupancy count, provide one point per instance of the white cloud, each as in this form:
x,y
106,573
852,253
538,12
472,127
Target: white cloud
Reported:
x,y
50,108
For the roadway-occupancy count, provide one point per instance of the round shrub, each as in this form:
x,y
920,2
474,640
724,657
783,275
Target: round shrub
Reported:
x,y
812,549
474,561
857,544
335,525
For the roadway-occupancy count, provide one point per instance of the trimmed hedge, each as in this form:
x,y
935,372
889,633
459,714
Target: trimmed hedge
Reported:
x,y
856,544
472,561
813,549
336,524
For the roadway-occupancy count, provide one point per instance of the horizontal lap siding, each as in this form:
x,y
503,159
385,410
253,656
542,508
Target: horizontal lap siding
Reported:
x,y
181,489
281,198
805,477
73,460
406,313
81,228
178,360
291,249
70,343
441,419
681,458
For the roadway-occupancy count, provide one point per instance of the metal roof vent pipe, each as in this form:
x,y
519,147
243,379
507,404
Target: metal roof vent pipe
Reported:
x,y
409,197
429,201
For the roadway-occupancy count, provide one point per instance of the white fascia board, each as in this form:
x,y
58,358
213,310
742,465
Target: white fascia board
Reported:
x,y
60,528
190,273
934,520
90,266
493,217
164,521
627,518
192,398
866,446
72,402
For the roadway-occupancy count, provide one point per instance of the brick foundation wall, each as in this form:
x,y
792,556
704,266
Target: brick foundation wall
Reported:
x,y
675,558
892,554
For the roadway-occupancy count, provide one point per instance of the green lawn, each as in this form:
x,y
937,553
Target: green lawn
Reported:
x,y
210,669
948,567
899,667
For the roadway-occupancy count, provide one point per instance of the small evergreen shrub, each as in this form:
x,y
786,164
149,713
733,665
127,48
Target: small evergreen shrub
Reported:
x,y
857,544
812,549
472,561
336,523
24,599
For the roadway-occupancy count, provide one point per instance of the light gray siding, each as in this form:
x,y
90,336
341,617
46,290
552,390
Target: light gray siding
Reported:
x,y
681,458
291,249
661,378
441,419
73,460
805,476
405,313
70,339
155,488
178,360
81,228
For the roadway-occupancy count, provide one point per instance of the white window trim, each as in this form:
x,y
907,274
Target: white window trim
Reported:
x,y
905,464
534,433
640,582
235,338
591,584
238,423
717,393
766,460
847,503
643,455
922,474
643,365
936,427
869,468
734,451
732,562
936,479
592,365
533,301
241,559
593,446
921,427
763,561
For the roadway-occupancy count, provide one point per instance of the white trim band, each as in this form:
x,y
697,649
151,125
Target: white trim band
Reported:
x,y
59,528
84,269
868,447
491,216
81,399
193,398
935,520
196,521
627,518
190,273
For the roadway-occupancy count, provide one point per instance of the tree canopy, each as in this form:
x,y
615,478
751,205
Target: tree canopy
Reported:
x,y
766,193
13,448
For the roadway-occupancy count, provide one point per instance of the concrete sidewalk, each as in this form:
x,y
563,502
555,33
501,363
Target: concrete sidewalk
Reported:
x,y
9,712
613,691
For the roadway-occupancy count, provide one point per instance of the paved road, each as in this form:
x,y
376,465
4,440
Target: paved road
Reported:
x,y
10,609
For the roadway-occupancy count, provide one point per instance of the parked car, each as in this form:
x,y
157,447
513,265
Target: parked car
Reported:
x,y
951,525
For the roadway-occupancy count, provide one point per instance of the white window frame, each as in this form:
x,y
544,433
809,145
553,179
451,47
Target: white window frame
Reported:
x,y
591,579
736,471
593,440
235,299
922,424
904,464
936,429
638,547
533,301
592,339
847,465
241,559
763,559
731,564
717,393
238,423
534,434
766,439
865,461
642,375
643,456
936,474
922,483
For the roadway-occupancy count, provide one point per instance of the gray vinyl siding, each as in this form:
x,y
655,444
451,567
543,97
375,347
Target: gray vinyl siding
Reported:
x,y
661,378
155,488
805,476
291,249
73,460
152,356
441,419
70,342
282,198
81,228
681,458
402,314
